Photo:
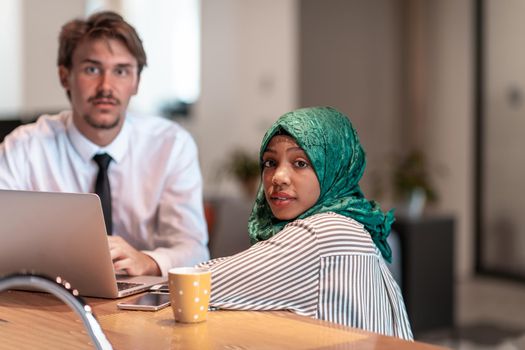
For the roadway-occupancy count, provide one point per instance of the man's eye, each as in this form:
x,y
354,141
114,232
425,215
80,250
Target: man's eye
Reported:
x,y
91,70
121,72
301,164
268,163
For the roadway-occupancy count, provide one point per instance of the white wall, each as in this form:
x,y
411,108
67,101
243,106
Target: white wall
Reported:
x,y
29,41
41,22
503,126
351,59
249,78
11,49
450,122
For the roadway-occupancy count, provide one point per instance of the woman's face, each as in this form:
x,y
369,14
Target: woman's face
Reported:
x,y
290,183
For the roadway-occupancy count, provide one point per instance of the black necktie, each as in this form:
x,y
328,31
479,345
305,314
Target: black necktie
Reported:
x,y
103,189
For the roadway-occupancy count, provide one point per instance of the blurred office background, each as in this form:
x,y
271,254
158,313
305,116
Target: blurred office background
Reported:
x,y
436,85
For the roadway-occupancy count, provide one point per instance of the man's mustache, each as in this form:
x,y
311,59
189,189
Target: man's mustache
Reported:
x,y
106,96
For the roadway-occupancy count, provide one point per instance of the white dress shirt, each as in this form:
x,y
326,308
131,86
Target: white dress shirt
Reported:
x,y
156,183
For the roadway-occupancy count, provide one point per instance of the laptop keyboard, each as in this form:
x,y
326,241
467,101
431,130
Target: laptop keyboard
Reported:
x,y
127,285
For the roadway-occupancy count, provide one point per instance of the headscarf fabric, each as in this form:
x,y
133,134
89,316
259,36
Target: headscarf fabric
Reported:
x,y
332,145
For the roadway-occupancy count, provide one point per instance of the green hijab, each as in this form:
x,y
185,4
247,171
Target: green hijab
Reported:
x,y
332,145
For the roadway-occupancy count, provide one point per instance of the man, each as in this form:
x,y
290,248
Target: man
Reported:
x,y
153,202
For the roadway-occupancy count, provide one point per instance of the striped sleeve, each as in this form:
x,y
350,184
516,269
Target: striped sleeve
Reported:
x,y
356,288
356,291
281,273
325,266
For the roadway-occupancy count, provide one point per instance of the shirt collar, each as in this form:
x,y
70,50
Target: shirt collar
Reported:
x,y
87,149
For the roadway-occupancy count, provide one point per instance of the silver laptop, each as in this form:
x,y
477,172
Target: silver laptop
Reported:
x,y
62,234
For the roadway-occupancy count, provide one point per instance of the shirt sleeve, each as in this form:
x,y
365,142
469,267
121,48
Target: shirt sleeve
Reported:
x,y
278,274
12,168
182,236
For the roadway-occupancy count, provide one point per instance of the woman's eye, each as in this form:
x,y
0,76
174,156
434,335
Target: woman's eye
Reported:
x,y
301,164
268,163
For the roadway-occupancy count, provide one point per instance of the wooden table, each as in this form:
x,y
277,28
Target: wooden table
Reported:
x,y
38,320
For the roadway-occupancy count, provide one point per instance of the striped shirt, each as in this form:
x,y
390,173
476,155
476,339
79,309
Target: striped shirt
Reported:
x,y
325,266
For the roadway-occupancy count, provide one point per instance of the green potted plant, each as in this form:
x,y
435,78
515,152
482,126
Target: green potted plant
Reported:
x,y
412,183
245,168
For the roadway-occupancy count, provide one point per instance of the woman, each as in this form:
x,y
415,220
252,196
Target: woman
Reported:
x,y
321,245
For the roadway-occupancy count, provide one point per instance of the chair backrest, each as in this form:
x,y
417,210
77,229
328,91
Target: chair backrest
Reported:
x,y
229,234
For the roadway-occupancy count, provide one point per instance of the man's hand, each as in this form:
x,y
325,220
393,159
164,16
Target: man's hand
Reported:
x,y
128,259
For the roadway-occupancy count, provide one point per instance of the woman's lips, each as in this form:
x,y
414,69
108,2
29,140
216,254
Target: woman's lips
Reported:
x,y
281,199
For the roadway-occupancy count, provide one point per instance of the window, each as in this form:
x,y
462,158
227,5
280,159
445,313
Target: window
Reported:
x,y
170,31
